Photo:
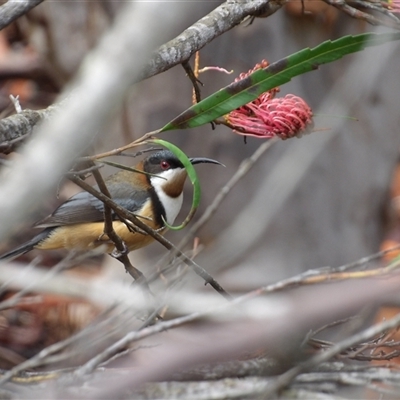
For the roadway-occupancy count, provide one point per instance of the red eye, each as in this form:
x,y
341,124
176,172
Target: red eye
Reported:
x,y
164,165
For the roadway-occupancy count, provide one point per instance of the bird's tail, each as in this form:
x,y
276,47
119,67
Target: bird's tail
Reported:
x,y
27,246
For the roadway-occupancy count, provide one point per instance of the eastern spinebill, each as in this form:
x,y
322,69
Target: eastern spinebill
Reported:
x,y
78,224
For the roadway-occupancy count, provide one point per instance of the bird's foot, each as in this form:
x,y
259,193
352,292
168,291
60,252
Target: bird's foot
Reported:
x,y
119,253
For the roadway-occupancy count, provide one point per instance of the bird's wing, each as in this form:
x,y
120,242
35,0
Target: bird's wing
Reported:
x,y
83,207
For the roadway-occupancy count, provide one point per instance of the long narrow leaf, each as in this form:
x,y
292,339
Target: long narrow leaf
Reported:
x,y
278,73
192,176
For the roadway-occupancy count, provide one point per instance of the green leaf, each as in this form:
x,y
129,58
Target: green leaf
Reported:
x,y
182,157
278,73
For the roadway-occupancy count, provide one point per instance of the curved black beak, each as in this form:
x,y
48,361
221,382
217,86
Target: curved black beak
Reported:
x,y
200,160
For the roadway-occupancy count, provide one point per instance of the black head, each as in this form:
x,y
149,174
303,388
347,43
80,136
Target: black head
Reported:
x,y
165,160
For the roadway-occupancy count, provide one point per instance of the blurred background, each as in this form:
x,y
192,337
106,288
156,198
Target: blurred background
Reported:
x,y
326,199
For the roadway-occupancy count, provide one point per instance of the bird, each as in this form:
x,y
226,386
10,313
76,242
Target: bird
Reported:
x,y
154,196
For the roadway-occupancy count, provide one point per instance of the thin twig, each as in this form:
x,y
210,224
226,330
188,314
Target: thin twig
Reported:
x,y
120,150
343,6
194,79
131,337
365,260
16,103
84,171
310,336
122,251
284,380
377,7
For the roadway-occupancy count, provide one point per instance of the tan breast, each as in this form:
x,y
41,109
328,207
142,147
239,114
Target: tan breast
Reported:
x,y
91,235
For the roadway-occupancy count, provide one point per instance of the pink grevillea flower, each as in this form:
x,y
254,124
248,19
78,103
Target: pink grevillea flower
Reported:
x,y
267,116
264,117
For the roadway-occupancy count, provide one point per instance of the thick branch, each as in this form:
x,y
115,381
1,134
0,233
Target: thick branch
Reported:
x,y
21,125
12,10
217,22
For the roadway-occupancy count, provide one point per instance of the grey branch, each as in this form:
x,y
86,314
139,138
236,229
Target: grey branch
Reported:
x,y
220,20
318,384
21,126
365,335
356,7
12,10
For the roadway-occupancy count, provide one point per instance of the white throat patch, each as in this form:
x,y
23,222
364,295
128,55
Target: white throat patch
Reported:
x,y
172,205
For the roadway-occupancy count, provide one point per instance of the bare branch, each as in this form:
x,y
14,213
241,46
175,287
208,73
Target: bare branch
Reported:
x,y
222,19
110,232
12,10
338,348
354,12
194,79
20,126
